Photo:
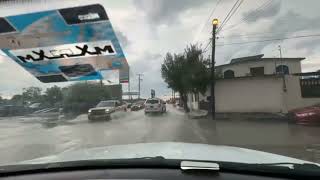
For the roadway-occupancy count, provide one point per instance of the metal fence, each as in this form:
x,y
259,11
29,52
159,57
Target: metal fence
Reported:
x,y
310,88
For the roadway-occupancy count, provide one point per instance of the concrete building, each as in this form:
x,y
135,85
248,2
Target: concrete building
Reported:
x,y
259,66
256,84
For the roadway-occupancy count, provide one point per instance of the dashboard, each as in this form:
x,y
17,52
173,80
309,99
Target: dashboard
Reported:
x,y
138,173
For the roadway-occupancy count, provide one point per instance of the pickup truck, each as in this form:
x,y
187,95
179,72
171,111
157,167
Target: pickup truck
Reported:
x,y
104,110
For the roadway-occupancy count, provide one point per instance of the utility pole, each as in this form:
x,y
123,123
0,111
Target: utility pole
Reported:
x,y
282,70
212,98
129,89
172,94
281,62
139,85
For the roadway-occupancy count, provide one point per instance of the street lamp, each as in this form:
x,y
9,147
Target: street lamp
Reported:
x,y
215,23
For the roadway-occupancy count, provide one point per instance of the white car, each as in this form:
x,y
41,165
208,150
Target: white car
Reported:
x,y
155,105
105,108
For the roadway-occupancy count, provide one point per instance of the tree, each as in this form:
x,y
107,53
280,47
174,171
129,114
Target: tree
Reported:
x,y
187,73
17,99
52,96
31,94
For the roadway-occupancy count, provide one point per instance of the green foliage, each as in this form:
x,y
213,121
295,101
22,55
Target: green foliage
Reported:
x,y
199,74
17,99
79,97
52,96
31,94
187,73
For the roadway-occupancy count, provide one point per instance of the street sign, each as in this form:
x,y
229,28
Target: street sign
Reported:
x,y
153,93
69,44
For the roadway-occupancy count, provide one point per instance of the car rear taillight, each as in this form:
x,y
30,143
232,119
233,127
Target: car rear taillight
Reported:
x,y
305,114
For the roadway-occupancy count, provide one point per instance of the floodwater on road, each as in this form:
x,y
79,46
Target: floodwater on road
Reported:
x,y
25,138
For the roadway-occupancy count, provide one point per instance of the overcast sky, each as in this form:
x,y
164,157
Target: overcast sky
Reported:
x,y
148,29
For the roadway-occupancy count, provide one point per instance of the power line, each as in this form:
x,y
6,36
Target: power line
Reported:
x,y
255,34
267,40
261,35
233,12
234,5
255,14
209,18
206,48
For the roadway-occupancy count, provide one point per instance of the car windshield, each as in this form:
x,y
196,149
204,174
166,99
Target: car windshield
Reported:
x,y
152,101
225,80
106,104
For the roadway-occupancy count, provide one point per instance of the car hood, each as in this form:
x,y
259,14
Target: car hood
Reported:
x,y
169,150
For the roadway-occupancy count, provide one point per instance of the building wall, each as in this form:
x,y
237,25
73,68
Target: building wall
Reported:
x,y
250,94
293,97
243,69
259,94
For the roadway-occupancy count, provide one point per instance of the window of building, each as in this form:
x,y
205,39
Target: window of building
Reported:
x,y
257,71
282,69
228,74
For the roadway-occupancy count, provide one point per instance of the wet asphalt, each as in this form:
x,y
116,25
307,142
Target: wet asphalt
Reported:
x,y
25,138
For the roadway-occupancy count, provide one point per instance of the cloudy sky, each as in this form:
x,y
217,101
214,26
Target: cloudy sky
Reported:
x,y
148,29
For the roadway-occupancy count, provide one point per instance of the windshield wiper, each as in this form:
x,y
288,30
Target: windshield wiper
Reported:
x,y
144,162
273,169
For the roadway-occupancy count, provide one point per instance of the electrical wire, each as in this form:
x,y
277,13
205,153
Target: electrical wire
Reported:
x,y
206,48
227,20
263,33
229,13
256,12
209,18
267,40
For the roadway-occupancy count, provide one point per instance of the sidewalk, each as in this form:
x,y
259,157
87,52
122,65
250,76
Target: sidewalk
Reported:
x,y
193,114
198,114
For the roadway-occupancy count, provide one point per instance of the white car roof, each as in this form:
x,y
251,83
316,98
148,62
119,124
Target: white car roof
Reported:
x,y
110,101
154,99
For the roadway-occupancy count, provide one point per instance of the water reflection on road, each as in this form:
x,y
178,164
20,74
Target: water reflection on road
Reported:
x,y
24,138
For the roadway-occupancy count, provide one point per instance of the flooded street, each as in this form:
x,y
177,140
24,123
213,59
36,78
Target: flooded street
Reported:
x,y
25,138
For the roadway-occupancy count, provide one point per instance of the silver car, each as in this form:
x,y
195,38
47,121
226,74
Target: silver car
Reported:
x,y
155,105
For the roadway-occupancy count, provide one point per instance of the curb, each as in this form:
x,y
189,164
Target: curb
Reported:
x,y
199,116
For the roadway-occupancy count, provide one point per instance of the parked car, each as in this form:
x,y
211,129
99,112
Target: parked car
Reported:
x,y
137,106
155,105
105,108
128,104
48,113
305,116
13,110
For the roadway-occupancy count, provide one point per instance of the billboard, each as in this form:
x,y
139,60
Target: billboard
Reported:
x,y
69,44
